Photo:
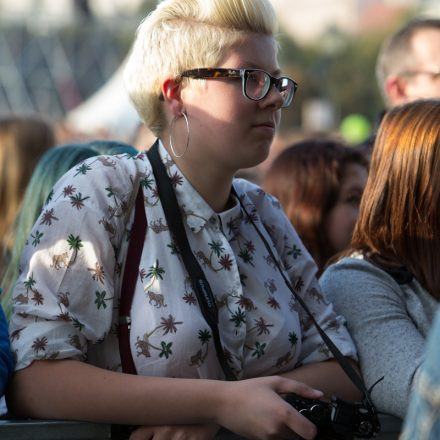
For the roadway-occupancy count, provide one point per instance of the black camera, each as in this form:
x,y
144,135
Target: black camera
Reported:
x,y
338,419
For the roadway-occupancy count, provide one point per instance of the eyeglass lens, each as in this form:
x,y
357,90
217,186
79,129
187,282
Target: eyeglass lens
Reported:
x,y
258,83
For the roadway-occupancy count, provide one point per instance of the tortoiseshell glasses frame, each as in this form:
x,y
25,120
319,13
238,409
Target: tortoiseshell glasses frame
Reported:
x,y
256,83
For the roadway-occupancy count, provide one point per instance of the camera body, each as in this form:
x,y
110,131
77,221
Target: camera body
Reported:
x,y
338,419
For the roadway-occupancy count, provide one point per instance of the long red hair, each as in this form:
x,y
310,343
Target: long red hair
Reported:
x,y
399,216
306,178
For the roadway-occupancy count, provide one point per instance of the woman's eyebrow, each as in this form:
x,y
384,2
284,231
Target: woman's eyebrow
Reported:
x,y
276,72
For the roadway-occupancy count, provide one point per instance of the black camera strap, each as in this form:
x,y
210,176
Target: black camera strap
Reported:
x,y
201,286
199,282
340,358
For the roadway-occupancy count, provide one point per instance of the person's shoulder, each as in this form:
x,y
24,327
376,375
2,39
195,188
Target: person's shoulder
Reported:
x,y
124,165
355,265
354,275
109,174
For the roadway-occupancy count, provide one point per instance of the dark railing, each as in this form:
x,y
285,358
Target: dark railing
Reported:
x,y
30,429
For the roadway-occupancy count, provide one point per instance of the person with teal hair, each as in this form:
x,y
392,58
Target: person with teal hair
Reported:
x,y
112,147
52,165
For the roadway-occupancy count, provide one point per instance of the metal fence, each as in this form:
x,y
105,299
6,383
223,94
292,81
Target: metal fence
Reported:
x,y
68,430
52,71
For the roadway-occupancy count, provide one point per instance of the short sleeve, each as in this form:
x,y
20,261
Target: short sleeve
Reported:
x,y
65,295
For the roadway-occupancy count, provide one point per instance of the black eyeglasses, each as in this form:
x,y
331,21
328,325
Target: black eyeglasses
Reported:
x,y
256,83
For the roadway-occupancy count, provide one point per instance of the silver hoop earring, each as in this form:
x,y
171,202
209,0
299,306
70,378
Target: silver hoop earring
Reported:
x,y
171,135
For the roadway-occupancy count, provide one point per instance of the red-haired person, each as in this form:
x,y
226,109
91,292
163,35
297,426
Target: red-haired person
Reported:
x,y
388,285
319,184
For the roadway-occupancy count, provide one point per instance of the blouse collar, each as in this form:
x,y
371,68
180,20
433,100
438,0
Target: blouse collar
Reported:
x,y
196,211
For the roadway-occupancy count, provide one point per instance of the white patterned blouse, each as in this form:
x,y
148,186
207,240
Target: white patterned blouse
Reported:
x,y
66,299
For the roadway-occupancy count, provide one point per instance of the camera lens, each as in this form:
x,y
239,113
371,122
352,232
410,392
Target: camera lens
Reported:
x,y
365,428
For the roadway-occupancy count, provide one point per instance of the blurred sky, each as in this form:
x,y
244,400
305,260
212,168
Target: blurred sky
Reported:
x,y
304,19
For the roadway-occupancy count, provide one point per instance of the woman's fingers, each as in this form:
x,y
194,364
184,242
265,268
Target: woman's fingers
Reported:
x,y
287,386
142,433
175,432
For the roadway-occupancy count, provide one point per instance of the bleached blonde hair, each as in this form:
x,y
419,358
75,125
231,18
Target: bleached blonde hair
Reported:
x,y
186,34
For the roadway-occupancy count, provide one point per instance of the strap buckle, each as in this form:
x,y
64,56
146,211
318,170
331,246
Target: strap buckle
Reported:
x,y
125,320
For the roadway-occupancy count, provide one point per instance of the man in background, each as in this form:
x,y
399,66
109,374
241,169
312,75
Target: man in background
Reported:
x,y
408,65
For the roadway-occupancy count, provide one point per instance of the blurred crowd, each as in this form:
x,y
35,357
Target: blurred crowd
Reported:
x,y
368,214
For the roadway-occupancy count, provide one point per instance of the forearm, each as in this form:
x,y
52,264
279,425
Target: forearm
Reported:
x,y
74,390
328,377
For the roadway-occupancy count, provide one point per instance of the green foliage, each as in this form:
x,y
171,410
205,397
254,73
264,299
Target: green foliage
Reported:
x,y
340,68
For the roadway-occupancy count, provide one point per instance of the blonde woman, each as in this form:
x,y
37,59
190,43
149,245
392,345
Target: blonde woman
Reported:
x,y
205,78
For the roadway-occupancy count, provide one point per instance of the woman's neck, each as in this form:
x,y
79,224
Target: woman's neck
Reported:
x,y
211,182
213,186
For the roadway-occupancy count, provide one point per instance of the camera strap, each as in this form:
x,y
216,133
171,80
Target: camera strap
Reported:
x,y
340,358
199,282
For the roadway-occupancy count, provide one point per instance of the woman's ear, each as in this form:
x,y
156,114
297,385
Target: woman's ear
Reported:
x,y
171,90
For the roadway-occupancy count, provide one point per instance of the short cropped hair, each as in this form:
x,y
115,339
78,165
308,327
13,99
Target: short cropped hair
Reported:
x,y
395,55
186,34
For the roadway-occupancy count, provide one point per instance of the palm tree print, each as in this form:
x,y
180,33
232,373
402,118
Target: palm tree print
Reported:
x,y
216,247
199,357
173,248
101,299
49,197
169,324
258,350
77,324
299,284
293,339
189,298
37,298
155,272
261,326
77,201
166,349
68,190
273,303
246,256
82,169
29,283
98,272
40,344
75,244
142,274
36,238
176,179
294,251
238,318
226,262
47,217
110,193
204,336
147,182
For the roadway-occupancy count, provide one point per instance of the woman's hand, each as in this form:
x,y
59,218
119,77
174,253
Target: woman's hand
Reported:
x,y
175,432
254,409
